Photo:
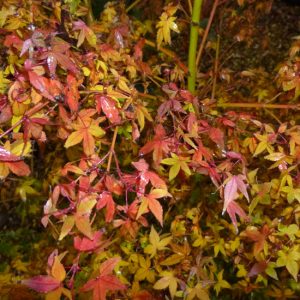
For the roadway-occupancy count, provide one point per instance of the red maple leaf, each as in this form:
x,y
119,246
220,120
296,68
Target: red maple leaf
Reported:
x,y
42,283
150,202
12,162
258,268
108,105
159,144
85,245
259,237
71,92
7,156
105,281
106,200
235,184
58,54
145,176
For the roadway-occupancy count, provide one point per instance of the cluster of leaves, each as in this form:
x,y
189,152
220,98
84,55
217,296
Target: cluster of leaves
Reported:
x,y
135,146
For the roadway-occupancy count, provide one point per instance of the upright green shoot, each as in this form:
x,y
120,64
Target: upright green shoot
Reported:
x,y
196,13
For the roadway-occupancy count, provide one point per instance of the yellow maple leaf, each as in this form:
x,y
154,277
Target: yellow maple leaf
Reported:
x,y
156,244
166,25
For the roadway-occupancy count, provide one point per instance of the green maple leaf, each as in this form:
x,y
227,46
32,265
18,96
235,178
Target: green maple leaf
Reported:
x,y
177,163
289,258
221,283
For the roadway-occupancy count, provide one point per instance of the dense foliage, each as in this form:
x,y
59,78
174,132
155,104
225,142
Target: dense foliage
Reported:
x,y
154,191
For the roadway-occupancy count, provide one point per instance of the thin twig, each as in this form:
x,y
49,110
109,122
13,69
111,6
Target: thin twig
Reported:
x,y
169,53
131,6
112,147
256,105
144,95
273,115
31,112
203,42
216,69
190,6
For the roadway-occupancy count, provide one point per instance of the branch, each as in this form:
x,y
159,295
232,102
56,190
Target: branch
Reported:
x,y
169,53
111,151
30,112
193,45
256,105
212,14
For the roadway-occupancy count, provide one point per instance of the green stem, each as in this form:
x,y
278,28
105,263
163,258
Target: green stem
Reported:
x,y
90,16
193,45
131,6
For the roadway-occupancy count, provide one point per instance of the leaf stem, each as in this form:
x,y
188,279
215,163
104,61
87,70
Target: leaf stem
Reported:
x,y
193,45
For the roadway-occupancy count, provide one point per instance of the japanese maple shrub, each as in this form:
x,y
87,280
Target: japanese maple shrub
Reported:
x,y
159,192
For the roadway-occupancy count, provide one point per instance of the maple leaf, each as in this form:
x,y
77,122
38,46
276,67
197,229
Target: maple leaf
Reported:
x,y
180,253
168,280
141,114
258,268
197,292
165,25
85,33
177,163
233,185
145,271
290,231
86,129
11,161
156,244
130,225
109,53
41,84
105,281
72,93
234,209
59,53
292,84
33,128
221,283
96,243
7,156
259,237
5,12
109,107
145,176
52,283
113,185
42,283
217,136
159,145
106,200
265,143
37,40
80,218
289,257
149,202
